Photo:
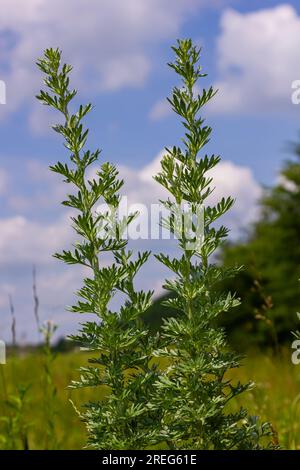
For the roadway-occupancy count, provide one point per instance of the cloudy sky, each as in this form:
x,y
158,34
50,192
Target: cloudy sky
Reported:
x,y
119,50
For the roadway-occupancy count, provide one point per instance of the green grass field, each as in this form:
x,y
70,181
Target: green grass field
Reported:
x,y
275,398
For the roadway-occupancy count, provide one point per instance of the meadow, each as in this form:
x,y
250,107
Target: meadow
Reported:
x,y
275,397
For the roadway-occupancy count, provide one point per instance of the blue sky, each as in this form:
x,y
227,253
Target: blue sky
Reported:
x,y
251,52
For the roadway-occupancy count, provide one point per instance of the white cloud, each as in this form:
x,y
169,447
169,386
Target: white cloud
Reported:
x,y
239,182
258,58
160,110
46,191
130,70
41,120
26,241
229,179
107,41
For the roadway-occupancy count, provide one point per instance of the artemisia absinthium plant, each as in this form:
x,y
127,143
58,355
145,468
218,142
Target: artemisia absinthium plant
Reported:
x,y
120,370
195,390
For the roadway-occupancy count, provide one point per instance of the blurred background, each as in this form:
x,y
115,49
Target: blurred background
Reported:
x,y
119,50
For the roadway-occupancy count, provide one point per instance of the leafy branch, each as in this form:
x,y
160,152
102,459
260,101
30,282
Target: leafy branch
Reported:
x,y
121,370
195,390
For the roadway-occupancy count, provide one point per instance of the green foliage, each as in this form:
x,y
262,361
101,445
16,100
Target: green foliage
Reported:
x,y
23,408
269,398
271,256
14,426
17,400
120,343
195,392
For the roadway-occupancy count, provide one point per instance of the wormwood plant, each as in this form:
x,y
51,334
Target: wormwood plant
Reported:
x,y
195,390
120,371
